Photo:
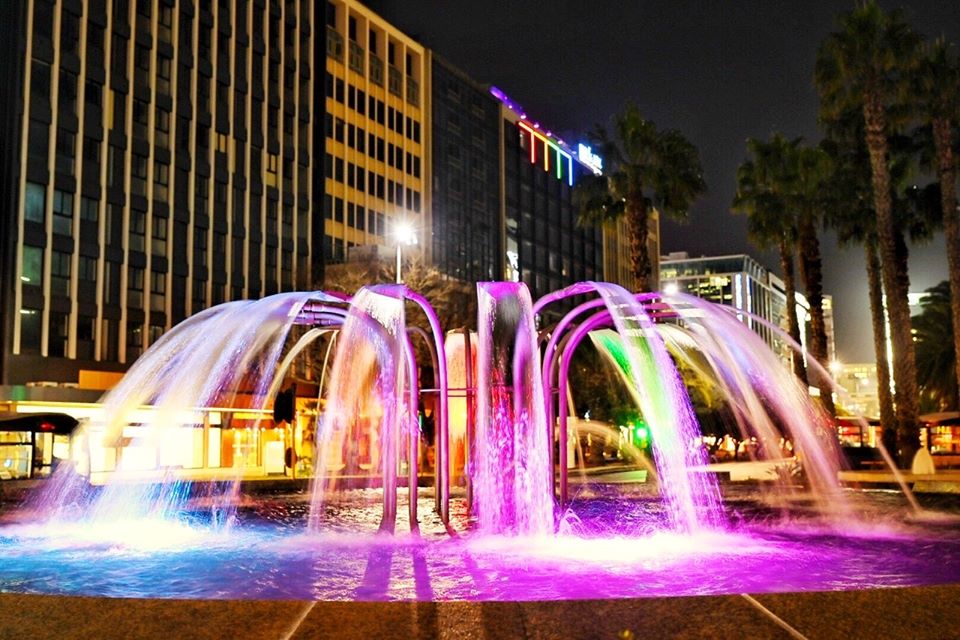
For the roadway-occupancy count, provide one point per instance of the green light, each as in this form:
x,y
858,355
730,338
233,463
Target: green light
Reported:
x,y
642,432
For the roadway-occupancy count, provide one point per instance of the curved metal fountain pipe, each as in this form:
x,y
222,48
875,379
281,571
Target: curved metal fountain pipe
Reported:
x,y
552,354
434,360
442,433
413,433
470,394
578,334
548,366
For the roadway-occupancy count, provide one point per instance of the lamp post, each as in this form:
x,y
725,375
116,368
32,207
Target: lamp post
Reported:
x,y
405,234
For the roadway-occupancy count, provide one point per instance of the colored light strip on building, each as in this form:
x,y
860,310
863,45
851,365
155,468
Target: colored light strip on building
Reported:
x,y
547,145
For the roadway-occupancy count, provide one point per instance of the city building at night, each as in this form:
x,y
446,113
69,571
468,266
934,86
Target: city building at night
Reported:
x,y
544,246
160,158
466,235
376,159
741,282
159,161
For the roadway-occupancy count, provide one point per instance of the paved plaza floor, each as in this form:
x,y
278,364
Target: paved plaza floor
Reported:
x,y
917,613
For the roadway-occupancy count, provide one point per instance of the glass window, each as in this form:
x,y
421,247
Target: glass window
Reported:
x,y
89,209
30,323
60,273
135,288
34,202
63,213
88,269
134,341
86,328
31,271
57,337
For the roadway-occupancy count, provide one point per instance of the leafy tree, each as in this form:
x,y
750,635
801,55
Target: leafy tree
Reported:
x,y
454,301
763,191
645,168
866,66
936,356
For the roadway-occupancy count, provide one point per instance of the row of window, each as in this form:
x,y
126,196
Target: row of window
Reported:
x,y
355,216
358,100
374,184
367,143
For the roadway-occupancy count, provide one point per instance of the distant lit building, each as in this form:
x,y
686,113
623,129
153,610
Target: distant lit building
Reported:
x,y
157,160
466,229
859,384
737,281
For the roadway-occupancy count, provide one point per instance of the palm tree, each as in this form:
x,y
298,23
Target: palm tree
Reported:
x,y
851,216
762,194
866,65
938,91
644,168
812,171
935,364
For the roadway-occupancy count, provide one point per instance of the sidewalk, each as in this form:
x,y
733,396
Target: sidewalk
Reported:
x,y
918,613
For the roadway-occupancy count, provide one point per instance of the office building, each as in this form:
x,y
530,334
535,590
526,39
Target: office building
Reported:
x,y
466,232
158,159
377,153
737,281
544,245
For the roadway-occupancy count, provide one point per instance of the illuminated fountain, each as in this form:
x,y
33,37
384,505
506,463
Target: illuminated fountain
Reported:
x,y
516,529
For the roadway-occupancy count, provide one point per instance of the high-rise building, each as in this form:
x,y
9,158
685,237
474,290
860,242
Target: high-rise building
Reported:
x,y
544,245
377,157
737,281
157,160
158,157
466,234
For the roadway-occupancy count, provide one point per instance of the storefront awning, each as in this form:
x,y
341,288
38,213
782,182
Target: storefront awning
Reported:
x,y
56,423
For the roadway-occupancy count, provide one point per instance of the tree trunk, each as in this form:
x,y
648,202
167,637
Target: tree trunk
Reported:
x,y
811,270
898,309
637,223
878,317
793,325
947,174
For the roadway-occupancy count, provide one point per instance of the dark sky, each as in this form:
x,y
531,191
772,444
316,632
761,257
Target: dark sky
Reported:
x,y
719,71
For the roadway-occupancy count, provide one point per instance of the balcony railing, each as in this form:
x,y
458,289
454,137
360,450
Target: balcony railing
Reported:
x,y
376,70
413,92
395,82
356,57
334,44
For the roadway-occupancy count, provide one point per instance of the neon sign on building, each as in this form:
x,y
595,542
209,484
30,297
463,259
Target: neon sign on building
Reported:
x,y
550,149
556,157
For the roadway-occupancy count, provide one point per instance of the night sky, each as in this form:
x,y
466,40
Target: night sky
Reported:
x,y
718,71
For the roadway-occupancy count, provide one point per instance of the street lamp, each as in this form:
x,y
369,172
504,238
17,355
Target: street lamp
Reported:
x,y
405,234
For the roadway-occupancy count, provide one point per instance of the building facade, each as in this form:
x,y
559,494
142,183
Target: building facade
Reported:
x,y
466,232
164,167
737,281
544,245
377,153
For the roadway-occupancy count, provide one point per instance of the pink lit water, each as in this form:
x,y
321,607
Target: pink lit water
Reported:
x,y
609,547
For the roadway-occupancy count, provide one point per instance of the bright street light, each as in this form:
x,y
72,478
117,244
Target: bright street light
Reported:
x,y
405,234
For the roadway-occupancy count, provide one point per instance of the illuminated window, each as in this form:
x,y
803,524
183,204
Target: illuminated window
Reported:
x,y
31,266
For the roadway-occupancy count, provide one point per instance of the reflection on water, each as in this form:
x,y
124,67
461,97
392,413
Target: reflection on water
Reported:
x,y
610,548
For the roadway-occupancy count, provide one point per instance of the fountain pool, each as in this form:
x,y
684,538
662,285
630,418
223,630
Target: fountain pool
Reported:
x,y
614,548
520,528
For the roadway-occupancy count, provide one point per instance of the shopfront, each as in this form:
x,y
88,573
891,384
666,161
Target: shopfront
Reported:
x,y
32,445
